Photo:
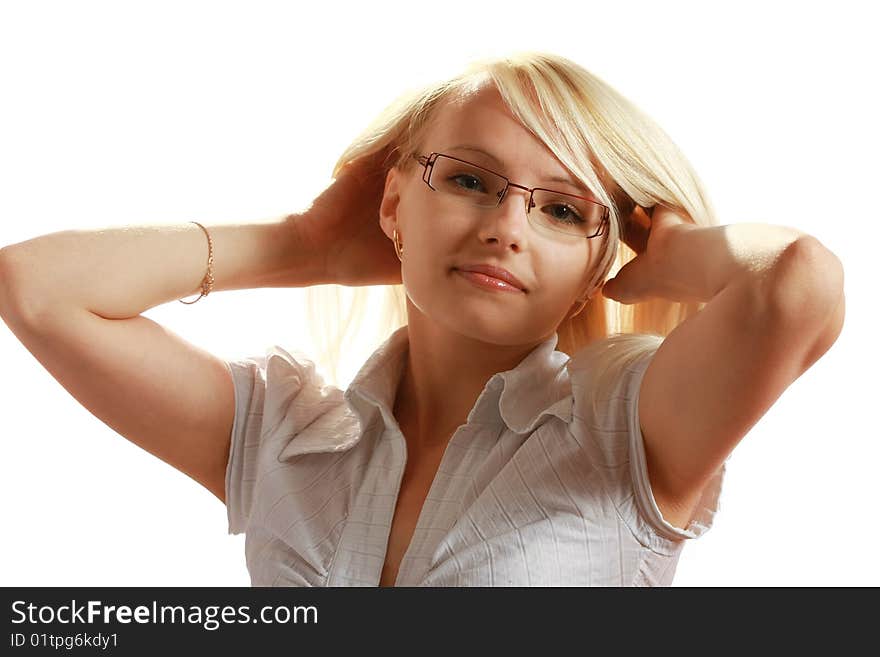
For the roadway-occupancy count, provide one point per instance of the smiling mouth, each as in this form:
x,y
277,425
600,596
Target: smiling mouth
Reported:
x,y
489,283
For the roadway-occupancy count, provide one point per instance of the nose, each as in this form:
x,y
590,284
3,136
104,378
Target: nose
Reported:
x,y
507,223
527,194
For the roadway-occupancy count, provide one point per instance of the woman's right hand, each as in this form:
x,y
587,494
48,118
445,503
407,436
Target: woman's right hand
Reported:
x,y
342,224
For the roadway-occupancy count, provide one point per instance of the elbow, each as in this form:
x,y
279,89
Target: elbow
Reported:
x,y
807,296
806,284
9,297
15,302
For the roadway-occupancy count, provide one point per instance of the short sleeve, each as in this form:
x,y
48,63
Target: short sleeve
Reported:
x,y
275,395
611,432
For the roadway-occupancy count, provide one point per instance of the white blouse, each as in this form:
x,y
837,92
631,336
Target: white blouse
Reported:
x,y
533,490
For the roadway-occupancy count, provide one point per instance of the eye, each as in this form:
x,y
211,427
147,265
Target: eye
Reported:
x,y
571,216
470,178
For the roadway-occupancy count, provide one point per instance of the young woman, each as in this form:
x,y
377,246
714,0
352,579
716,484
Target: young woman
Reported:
x,y
527,421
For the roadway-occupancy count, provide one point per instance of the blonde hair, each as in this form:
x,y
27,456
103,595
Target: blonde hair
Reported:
x,y
585,123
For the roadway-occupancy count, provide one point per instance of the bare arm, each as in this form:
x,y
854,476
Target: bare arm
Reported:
x,y
74,299
120,272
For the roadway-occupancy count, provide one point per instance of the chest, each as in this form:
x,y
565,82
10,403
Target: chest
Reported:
x,y
498,510
414,487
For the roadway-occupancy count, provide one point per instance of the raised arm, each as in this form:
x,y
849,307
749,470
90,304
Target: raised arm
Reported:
x,y
73,298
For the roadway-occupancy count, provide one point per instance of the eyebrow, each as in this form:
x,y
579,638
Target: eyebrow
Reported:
x,y
560,179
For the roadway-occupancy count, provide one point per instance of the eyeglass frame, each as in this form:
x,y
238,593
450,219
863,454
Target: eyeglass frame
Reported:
x,y
429,160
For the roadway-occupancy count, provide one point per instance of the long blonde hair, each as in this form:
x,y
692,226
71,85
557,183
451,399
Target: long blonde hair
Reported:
x,y
582,120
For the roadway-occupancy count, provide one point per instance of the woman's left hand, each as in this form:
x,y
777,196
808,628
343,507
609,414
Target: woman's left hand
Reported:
x,y
648,233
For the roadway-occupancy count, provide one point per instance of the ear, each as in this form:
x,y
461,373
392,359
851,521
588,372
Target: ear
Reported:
x,y
390,201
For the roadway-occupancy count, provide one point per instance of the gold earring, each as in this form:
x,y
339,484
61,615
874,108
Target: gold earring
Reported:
x,y
398,247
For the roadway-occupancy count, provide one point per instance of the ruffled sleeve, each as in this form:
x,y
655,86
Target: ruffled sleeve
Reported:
x,y
610,432
275,396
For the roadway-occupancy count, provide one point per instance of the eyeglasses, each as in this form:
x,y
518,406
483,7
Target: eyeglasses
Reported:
x,y
560,213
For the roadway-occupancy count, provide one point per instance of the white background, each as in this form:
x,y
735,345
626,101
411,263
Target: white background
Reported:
x,y
131,113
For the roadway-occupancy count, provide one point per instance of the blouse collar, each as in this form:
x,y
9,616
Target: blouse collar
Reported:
x,y
519,398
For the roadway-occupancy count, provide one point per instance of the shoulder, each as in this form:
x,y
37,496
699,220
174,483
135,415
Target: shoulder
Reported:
x,y
284,388
606,379
278,370
609,369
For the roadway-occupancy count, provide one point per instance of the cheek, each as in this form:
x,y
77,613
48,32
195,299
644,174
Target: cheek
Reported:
x,y
428,260
562,275
437,238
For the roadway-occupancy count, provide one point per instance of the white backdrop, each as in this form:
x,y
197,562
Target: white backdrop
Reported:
x,y
123,113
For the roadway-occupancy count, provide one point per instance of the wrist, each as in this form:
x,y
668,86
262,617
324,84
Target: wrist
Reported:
x,y
300,263
706,259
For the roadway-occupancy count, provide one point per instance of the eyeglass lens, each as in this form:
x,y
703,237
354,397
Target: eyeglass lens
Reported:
x,y
555,211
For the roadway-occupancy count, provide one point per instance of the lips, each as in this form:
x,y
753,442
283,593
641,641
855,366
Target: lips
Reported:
x,y
495,272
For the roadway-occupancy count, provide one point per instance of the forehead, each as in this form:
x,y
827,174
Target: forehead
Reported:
x,y
475,113
480,118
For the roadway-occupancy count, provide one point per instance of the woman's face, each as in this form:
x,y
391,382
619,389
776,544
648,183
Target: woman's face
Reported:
x,y
439,234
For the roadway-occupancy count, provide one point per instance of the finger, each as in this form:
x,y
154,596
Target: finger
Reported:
x,y
662,214
629,285
636,229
